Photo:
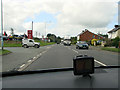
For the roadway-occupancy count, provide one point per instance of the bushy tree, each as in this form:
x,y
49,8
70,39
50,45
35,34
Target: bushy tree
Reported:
x,y
115,42
74,40
52,37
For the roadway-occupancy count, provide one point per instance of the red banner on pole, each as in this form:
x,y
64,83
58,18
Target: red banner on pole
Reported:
x,y
30,34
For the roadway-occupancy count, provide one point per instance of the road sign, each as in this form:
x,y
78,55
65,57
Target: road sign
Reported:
x,y
30,34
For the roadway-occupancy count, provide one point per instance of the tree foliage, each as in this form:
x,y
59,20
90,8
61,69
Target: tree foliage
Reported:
x,y
53,38
115,42
74,40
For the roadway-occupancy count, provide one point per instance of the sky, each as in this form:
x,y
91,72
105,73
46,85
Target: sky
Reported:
x,y
61,17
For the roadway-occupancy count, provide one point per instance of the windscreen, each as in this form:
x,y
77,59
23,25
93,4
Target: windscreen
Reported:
x,y
83,21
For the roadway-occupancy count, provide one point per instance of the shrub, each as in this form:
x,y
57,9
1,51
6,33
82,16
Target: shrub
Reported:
x,y
115,42
108,43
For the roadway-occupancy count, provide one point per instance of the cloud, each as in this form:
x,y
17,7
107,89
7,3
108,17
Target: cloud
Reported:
x,y
97,14
73,17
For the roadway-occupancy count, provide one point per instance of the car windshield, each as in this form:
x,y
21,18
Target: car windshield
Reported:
x,y
67,39
52,23
82,42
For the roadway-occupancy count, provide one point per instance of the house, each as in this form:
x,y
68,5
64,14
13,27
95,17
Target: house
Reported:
x,y
114,32
88,36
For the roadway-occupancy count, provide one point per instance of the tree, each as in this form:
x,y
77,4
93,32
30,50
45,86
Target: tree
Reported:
x,y
115,42
74,40
58,39
52,37
12,31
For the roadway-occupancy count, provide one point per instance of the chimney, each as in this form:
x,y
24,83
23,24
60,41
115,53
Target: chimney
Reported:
x,y
116,26
86,30
83,31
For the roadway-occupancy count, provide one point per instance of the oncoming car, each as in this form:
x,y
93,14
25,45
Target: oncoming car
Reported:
x,y
82,45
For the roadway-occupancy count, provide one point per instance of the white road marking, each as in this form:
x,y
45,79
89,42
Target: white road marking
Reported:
x,y
100,63
22,66
40,54
75,51
34,57
29,60
94,60
44,52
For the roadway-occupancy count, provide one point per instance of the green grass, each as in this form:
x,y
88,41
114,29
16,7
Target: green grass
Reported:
x,y
12,45
42,43
18,43
2,52
111,49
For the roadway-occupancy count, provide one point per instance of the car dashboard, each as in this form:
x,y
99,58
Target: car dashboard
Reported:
x,y
102,78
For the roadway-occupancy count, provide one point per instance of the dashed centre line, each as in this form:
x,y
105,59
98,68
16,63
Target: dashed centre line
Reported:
x,y
22,65
29,60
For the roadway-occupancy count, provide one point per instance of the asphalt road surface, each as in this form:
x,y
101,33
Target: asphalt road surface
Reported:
x,y
60,56
53,56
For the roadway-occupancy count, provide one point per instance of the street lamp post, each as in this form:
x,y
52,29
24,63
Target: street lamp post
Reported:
x,y
46,28
1,26
32,29
45,31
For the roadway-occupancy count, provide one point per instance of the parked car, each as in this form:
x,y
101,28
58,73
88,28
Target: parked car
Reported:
x,y
82,44
30,43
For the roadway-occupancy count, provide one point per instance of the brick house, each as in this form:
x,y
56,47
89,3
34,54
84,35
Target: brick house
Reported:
x,y
88,36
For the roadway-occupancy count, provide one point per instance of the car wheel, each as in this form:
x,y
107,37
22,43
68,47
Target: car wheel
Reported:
x,y
25,46
87,48
36,46
76,47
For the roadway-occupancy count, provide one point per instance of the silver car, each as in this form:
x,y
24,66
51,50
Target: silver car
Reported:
x,y
82,45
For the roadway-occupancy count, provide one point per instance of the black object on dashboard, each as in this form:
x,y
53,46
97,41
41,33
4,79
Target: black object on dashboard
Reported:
x,y
83,65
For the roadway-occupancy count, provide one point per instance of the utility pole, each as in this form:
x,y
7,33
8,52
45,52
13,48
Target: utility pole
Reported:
x,y
39,34
36,34
45,29
1,25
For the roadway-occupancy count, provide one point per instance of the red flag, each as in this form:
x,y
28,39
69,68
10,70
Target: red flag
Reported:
x,y
4,33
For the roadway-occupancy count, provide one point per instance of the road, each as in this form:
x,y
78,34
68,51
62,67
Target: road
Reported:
x,y
53,56
19,56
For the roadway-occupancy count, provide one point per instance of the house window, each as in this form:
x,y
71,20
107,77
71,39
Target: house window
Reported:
x,y
93,36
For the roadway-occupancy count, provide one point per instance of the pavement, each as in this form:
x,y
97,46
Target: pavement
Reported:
x,y
53,56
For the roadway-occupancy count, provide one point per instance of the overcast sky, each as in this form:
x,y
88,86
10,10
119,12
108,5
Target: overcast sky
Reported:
x,y
63,17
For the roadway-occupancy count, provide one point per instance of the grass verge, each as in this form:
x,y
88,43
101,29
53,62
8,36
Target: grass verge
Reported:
x,y
18,43
111,49
12,44
42,43
3,52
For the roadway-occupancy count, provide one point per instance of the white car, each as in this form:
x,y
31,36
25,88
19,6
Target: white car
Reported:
x,y
30,43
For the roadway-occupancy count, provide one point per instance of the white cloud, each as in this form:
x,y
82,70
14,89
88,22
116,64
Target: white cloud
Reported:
x,y
74,16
